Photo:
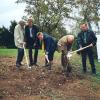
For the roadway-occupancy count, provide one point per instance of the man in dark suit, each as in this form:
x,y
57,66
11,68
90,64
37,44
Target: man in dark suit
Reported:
x,y
87,37
32,41
49,44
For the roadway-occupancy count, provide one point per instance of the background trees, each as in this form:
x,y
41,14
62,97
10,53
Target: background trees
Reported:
x,y
89,11
48,14
7,36
52,15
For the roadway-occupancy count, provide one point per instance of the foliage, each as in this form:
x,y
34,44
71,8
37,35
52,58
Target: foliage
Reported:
x,y
7,36
48,14
89,10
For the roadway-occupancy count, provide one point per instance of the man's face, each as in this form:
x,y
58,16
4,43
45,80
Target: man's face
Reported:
x,y
40,37
70,41
84,27
22,24
30,22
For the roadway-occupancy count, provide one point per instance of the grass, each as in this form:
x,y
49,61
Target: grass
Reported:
x,y
13,52
8,52
75,60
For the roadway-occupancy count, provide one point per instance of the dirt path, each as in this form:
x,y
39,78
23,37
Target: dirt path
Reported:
x,y
41,84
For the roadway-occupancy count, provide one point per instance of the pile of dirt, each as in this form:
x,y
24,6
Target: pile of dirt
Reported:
x,y
40,84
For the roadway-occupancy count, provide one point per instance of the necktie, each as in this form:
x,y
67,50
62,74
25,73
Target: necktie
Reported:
x,y
42,45
85,41
31,35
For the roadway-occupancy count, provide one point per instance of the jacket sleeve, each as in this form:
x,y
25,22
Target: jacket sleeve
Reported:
x,y
17,35
48,42
25,35
94,38
36,30
36,40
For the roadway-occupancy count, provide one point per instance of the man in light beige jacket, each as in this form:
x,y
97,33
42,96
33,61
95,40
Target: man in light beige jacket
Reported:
x,y
64,46
19,42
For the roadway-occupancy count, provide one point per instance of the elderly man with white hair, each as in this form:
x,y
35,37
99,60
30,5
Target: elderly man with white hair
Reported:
x,y
64,46
19,41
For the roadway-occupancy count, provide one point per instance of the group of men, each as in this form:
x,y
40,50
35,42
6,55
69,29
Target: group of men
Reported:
x,y
30,37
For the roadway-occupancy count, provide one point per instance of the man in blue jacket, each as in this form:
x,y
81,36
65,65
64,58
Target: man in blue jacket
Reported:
x,y
32,41
49,44
87,37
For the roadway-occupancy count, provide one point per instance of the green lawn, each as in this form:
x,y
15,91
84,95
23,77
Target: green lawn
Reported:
x,y
76,60
8,52
12,52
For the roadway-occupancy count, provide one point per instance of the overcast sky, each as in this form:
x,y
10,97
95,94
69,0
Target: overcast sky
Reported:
x,y
10,11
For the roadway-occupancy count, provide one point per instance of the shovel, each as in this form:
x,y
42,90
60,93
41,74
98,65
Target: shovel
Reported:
x,y
72,52
80,49
26,57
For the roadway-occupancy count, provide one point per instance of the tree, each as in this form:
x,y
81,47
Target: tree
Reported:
x,y
11,30
89,10
12,26
48,14
7,36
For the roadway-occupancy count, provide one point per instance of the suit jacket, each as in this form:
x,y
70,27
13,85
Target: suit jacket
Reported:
x,y
50,43
30,41
86,38
18,36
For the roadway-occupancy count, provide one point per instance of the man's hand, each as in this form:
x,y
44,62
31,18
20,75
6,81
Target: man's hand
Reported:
x,y
34,44
91,45
69,55
80,46
46,56
23,44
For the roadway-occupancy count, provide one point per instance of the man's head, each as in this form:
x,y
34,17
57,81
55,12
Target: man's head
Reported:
x,y
30,22
22,23
40,35
84,26
70,39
